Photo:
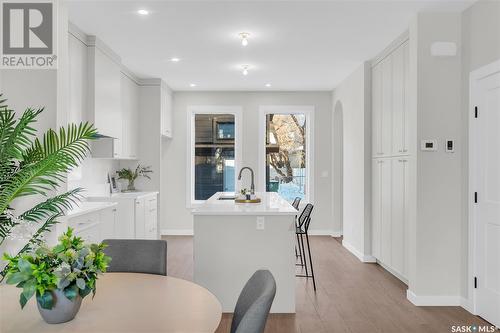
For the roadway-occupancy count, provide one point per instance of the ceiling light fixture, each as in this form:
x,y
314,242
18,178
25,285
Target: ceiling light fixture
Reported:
x,y
174,59
143,12
244,38
245,69
268,85
192,85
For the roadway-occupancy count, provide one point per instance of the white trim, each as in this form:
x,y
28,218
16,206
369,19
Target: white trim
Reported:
x,y
336,233
308,111
470,300
393,272
433,300
321,232
393,46
176,232
192,110
362,257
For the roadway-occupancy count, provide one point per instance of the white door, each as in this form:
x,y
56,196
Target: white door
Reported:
x,y
377,111
398,105
398,215
485,174
382,210
386,114
139,218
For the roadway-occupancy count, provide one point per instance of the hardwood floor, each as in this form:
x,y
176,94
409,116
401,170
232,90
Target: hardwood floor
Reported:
x,y
351,296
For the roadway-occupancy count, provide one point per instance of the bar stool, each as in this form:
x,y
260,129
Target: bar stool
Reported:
x,y
302,230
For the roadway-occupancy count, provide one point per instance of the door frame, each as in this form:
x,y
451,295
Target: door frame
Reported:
x,y
474,77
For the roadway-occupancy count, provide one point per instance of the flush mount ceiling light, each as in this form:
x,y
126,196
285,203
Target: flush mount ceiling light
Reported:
x,y
268,85
245,69
244,38
143,12
175,59
192,85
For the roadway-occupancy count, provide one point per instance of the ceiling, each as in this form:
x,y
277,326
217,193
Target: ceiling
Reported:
x,y
294,45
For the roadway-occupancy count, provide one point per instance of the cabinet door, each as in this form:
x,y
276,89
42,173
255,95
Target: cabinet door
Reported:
x,y
406,99
166,114
108,220
385,211
377,111
90,234
107,97
398,215
398,101
151,218
139,218
130,111
77,57
386,113
381,209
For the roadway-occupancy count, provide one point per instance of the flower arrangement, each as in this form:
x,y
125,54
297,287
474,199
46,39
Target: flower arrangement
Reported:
x,y
71,267
131,176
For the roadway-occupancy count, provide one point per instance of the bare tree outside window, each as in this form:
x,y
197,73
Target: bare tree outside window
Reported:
x,y
286,154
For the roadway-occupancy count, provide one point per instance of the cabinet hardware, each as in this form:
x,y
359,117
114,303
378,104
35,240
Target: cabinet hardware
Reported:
x,y
405,150
114,209
475,112
475,282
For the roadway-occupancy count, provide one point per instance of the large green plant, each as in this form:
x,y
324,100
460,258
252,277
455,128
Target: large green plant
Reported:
x,y
36,166
71,266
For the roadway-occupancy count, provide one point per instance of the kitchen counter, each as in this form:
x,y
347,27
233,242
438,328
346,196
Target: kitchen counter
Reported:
x,y
86,207
233,240
271,204
125,195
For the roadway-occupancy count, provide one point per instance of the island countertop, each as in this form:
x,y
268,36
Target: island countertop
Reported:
x,y
271,204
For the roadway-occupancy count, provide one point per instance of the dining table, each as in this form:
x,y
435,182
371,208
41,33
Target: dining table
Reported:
x,y
124,302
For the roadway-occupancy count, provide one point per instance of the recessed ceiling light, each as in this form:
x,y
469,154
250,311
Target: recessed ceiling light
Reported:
x,y
244,38
245,69
268,85
143,12
192,85
174,59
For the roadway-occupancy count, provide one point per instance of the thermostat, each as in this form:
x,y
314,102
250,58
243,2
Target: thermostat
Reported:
x,y
450,146
428,145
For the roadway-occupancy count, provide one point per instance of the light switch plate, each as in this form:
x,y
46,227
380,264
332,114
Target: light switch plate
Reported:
x,y
261,223
428,145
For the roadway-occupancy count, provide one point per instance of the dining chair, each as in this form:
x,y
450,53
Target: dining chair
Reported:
x,y
295,204
137,256
254,303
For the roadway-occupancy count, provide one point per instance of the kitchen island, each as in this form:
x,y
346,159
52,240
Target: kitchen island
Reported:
x,y
232,241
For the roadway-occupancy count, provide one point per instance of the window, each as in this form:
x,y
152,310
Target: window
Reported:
x,y
286,150
213,151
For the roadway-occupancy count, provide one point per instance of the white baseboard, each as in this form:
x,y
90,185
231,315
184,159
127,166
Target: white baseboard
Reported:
x,y
467,305
393,272
176,232
322,232
433,300
336,233
361,256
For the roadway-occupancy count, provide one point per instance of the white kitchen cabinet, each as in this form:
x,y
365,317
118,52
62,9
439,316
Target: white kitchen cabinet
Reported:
x,y
137,214
390,213
104,91
130,116
93,226
108,222
390,120
166,113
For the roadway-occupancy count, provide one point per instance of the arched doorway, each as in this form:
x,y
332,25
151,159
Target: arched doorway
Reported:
x,y
338,168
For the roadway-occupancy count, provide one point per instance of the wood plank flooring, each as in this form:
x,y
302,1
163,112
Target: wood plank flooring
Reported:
x,y
351,296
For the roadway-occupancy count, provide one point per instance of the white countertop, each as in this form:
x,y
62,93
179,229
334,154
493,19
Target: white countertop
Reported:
x,y
271,204
86,207
125,195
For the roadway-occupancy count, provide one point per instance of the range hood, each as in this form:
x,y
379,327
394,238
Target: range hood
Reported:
x,y
103,147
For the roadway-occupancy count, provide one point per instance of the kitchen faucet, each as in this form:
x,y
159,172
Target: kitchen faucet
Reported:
x,y
252,186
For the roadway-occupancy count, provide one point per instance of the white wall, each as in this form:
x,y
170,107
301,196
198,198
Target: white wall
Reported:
x,y
480,46
435,229
354,94
177,218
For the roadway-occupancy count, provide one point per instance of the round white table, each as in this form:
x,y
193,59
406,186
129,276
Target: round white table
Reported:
x,y
124,302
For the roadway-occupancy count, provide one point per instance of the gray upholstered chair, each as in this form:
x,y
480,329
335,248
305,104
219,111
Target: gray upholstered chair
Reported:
x,y
254,303
137,256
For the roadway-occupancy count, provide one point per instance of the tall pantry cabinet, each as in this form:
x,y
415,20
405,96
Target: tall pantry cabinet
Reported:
x,y
391,160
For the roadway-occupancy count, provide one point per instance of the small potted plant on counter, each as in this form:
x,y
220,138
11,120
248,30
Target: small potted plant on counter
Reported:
x,y
131,176
59,276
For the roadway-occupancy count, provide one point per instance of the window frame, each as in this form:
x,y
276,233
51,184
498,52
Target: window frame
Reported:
x,y
192,111
308,111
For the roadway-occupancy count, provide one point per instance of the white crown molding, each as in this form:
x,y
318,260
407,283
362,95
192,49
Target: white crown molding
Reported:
x,y
405,36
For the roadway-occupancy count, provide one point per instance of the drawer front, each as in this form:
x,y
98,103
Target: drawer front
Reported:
x,y
90,235
83,221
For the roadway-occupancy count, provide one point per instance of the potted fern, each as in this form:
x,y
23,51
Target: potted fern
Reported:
x,y
32,166
131,176
59,276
